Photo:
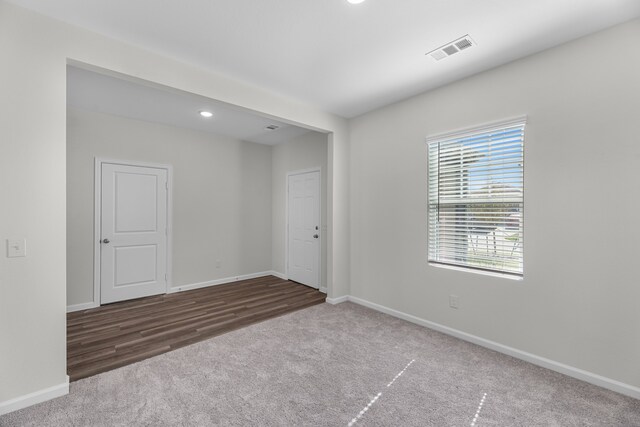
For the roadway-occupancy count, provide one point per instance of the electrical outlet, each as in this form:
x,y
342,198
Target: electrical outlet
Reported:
x,y
454,301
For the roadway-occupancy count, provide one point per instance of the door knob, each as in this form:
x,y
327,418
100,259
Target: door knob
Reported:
x,y
105,241
315,236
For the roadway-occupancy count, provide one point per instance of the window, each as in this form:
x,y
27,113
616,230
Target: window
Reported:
x,y
476,200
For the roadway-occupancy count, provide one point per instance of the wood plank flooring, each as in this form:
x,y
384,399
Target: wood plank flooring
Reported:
x,y
115,335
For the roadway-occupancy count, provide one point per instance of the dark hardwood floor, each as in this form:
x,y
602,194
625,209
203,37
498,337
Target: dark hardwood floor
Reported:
x,y
122,333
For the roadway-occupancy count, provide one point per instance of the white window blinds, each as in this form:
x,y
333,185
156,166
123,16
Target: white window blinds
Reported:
x,y
476,200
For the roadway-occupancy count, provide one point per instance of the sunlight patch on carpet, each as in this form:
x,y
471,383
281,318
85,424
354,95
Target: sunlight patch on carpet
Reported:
x,y
475,418
366,408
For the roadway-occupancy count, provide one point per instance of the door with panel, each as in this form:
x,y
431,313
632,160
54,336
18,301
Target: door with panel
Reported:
x,y
133,245
303,258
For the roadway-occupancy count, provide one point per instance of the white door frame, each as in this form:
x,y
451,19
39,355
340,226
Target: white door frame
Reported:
x,y
286,228
97,214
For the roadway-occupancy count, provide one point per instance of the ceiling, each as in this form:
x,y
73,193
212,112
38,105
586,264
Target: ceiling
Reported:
x,y
343,58
152,103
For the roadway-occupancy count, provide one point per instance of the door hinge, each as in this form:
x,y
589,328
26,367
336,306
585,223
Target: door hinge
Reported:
x,y
165,277
166,185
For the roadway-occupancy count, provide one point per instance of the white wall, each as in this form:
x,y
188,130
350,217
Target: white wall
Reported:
x,y
221,197
578,302
305,152
35,52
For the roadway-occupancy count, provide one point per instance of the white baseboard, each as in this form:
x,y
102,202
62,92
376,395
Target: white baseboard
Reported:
x,y
338,300
322,289
279,275
34,398
586,376
88,305
79,307
222,281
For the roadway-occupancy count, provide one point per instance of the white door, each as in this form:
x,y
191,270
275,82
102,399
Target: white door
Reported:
x,y
304,228
133,248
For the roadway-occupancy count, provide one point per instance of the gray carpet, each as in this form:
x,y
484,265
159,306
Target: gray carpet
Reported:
x,y
332,366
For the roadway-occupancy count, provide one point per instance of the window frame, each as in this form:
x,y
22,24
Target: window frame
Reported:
x,y
435,259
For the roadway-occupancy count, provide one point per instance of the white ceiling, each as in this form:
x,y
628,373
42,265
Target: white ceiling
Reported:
x,y
106,94
343,58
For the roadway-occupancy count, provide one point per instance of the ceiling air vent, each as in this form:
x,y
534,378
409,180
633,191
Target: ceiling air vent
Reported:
x,y
272,127
463,44
438,55
452,48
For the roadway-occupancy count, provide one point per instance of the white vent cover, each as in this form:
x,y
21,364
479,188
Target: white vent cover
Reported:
x,y
452,48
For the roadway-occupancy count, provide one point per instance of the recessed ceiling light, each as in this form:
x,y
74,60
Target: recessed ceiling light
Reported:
x,y
355,1
206,114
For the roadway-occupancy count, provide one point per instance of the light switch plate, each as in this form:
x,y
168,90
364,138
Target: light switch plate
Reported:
x,y
16,248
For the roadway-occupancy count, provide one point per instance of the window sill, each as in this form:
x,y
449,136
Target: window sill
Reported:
x,y
476,271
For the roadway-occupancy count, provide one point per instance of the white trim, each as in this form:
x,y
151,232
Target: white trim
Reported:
x,y
338,300
88,305
223,281
169,227
97,211
34,398
286,224
323,289
461,133
586,376
80,307
476,271
303,171
279,275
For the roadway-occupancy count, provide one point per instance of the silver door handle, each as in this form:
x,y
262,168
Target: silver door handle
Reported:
x,y
315,236
105,241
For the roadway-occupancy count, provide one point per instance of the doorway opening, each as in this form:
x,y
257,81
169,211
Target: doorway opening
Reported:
x,y
229,217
